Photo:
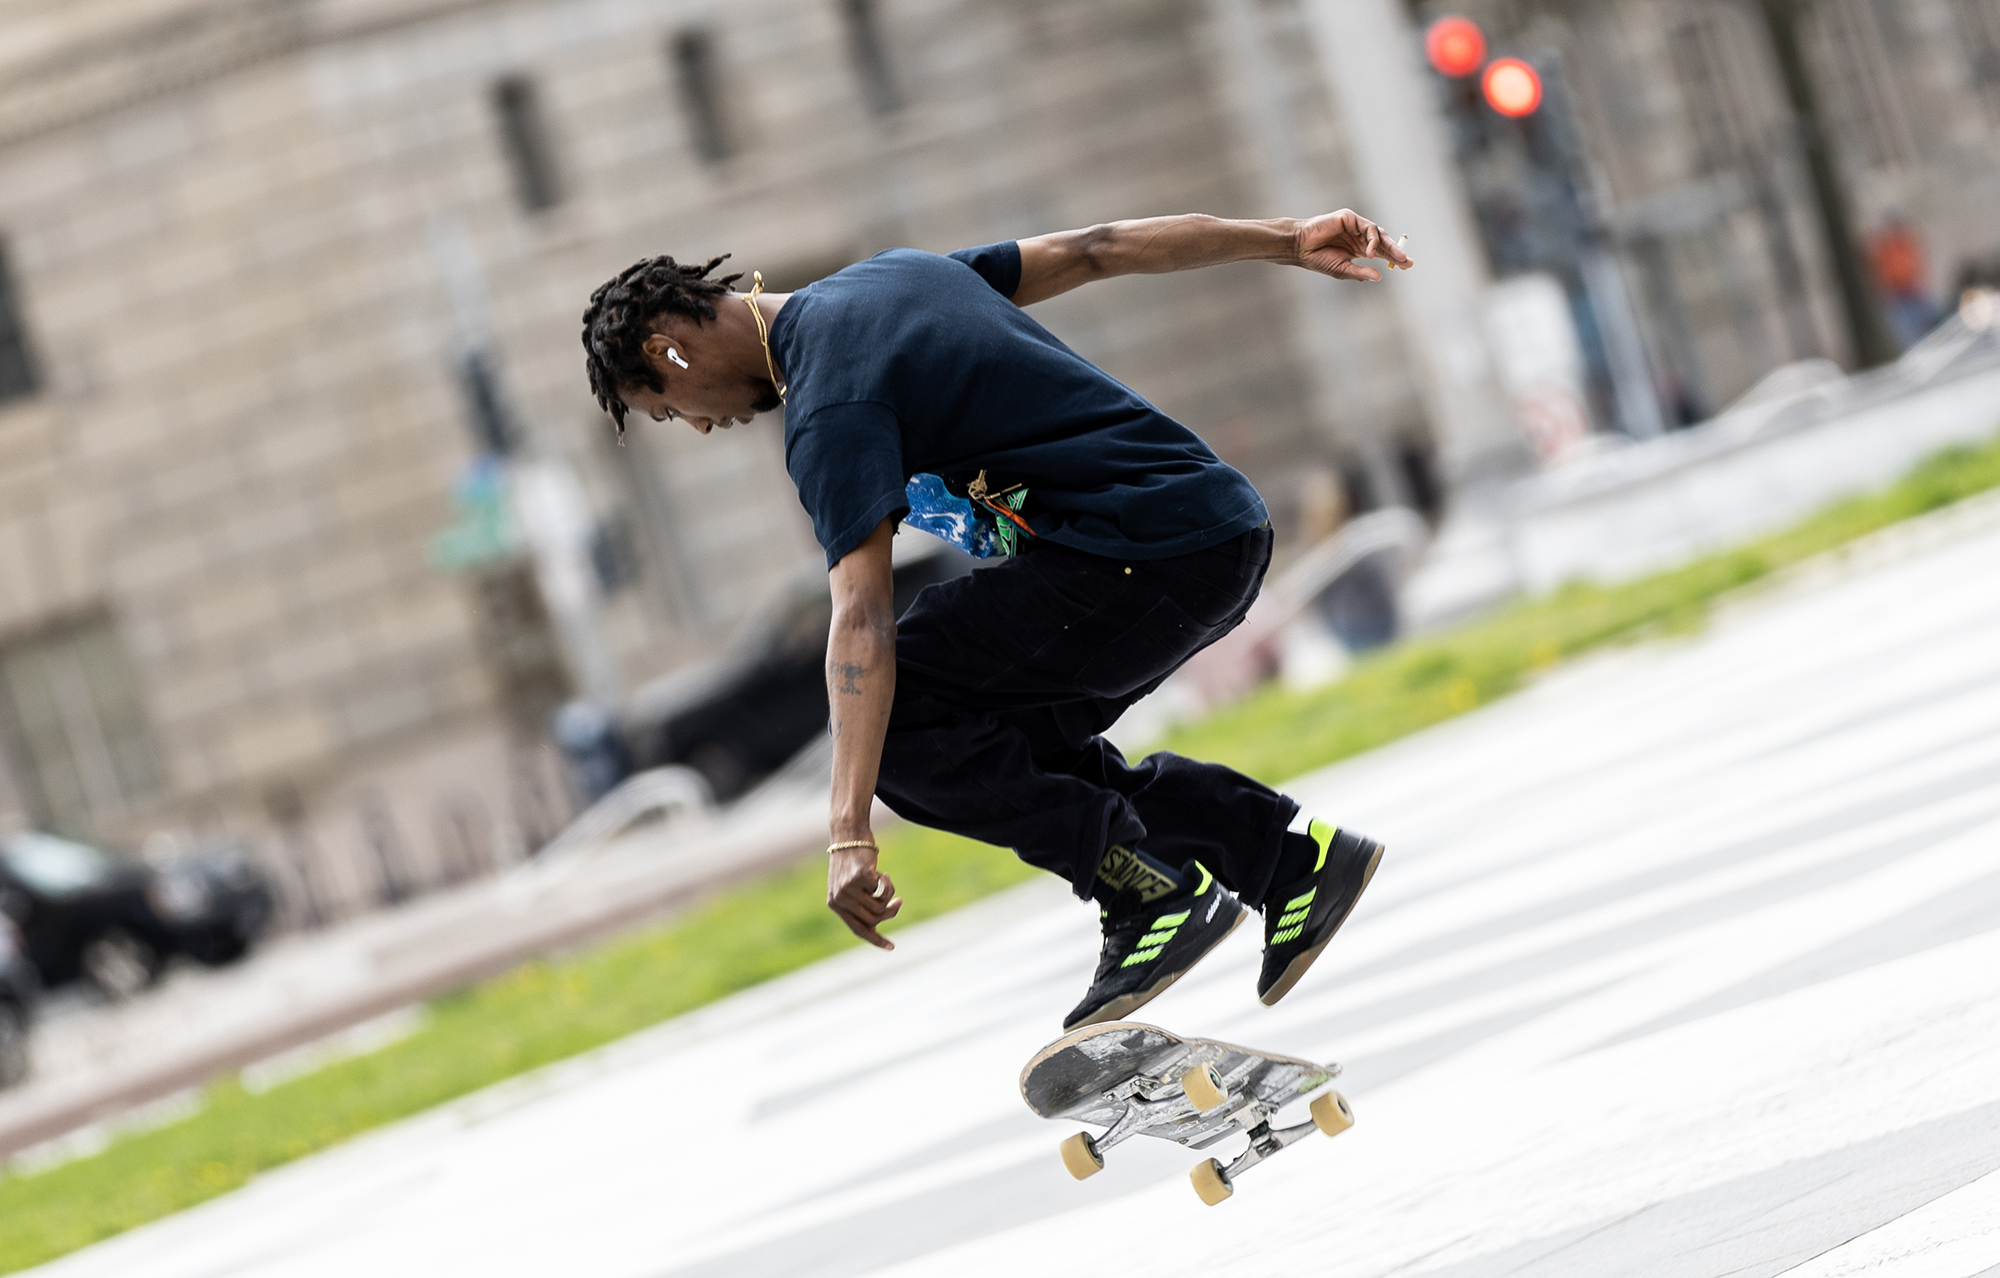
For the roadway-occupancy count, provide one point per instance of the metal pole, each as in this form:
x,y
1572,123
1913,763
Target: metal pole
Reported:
x,y
1369,56
548,498
1866,330
1347,396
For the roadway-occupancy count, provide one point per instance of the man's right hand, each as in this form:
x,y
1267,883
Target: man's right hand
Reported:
x,y
862,896
1335,244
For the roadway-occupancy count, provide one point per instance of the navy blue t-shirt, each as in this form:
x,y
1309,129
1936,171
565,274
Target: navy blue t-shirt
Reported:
x,y
910,362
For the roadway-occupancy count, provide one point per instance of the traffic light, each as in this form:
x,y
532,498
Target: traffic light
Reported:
x,y
1513,88
1455,46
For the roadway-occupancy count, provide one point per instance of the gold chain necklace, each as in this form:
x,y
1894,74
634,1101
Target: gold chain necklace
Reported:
x,y
763,333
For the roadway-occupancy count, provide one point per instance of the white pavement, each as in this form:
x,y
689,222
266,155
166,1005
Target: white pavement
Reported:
x,y
1684,962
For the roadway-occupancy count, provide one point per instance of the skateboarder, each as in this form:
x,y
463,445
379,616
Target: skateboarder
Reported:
x,y
915,379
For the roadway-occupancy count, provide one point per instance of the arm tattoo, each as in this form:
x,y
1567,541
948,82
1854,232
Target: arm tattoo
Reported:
x,y
850,673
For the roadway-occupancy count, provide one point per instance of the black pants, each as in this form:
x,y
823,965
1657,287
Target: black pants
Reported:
x,y
1005,678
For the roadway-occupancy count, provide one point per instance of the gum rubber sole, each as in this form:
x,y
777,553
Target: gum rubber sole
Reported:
x,y
1125,1004
1297,967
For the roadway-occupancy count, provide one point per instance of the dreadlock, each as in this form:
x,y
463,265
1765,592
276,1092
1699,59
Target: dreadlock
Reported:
x,y
620,318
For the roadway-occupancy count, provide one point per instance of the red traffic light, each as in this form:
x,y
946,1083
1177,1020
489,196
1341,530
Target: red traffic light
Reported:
x,y
1513,88
1456,46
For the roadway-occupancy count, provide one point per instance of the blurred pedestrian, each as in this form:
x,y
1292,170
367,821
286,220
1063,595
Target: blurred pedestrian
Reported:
x,y
1902,278
915,385
594,756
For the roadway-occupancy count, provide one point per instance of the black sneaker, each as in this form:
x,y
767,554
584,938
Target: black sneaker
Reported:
x,y
1300,919
1148,948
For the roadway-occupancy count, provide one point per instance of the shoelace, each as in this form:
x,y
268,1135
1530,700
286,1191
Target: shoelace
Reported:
x,y
1118,937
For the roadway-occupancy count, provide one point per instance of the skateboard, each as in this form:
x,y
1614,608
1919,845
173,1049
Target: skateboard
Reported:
x,y
1140,1080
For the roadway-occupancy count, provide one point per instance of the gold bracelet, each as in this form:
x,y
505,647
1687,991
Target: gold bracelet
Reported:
x,y
832,848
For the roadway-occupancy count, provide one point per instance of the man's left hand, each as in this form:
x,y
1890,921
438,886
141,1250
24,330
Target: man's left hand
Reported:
x,y
861,895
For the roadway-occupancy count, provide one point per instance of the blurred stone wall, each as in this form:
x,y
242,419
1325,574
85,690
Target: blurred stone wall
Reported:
x,y
1696,162
1913,88
222,217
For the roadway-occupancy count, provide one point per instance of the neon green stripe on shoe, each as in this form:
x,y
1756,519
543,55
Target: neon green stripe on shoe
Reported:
x,y
1171,920
1296,916
1289,934
1301,902
1137,957
1322,834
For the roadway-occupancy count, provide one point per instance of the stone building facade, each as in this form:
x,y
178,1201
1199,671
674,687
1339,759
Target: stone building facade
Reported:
x,y
272,270
249,244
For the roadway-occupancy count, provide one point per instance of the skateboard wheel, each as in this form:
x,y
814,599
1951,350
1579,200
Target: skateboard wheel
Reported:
x,y
1080,1156
1331,1114
1204,1087
1210,1183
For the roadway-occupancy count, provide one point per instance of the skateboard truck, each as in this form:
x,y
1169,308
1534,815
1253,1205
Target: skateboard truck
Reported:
x,y
1214,1182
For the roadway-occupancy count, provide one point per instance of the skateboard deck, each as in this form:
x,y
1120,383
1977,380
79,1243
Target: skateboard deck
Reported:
x,y
1140,1080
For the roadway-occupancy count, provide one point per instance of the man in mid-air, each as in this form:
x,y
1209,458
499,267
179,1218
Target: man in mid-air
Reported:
x,y
914,380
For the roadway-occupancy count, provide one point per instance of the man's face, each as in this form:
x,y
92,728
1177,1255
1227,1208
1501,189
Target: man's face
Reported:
x,y
701,387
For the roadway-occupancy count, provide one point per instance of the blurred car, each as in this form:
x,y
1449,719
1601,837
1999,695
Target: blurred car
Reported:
x,y
18,987
738,718
214,898
115,922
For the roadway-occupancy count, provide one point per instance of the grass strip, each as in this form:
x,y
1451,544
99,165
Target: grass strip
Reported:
x,y
541,1012
545,1011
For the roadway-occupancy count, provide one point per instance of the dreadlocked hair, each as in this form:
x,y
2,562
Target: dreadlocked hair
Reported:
x,y
621,316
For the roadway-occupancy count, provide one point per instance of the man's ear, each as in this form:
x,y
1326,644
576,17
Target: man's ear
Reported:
x,y
663,349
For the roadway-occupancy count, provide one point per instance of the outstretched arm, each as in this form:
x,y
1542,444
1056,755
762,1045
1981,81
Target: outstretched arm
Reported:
x,y
1332,244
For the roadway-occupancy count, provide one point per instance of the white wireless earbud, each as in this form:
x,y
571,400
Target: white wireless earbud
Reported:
x,y
675,356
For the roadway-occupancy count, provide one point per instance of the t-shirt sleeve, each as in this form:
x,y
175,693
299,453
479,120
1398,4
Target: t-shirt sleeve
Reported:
x,y
847,462
997,264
